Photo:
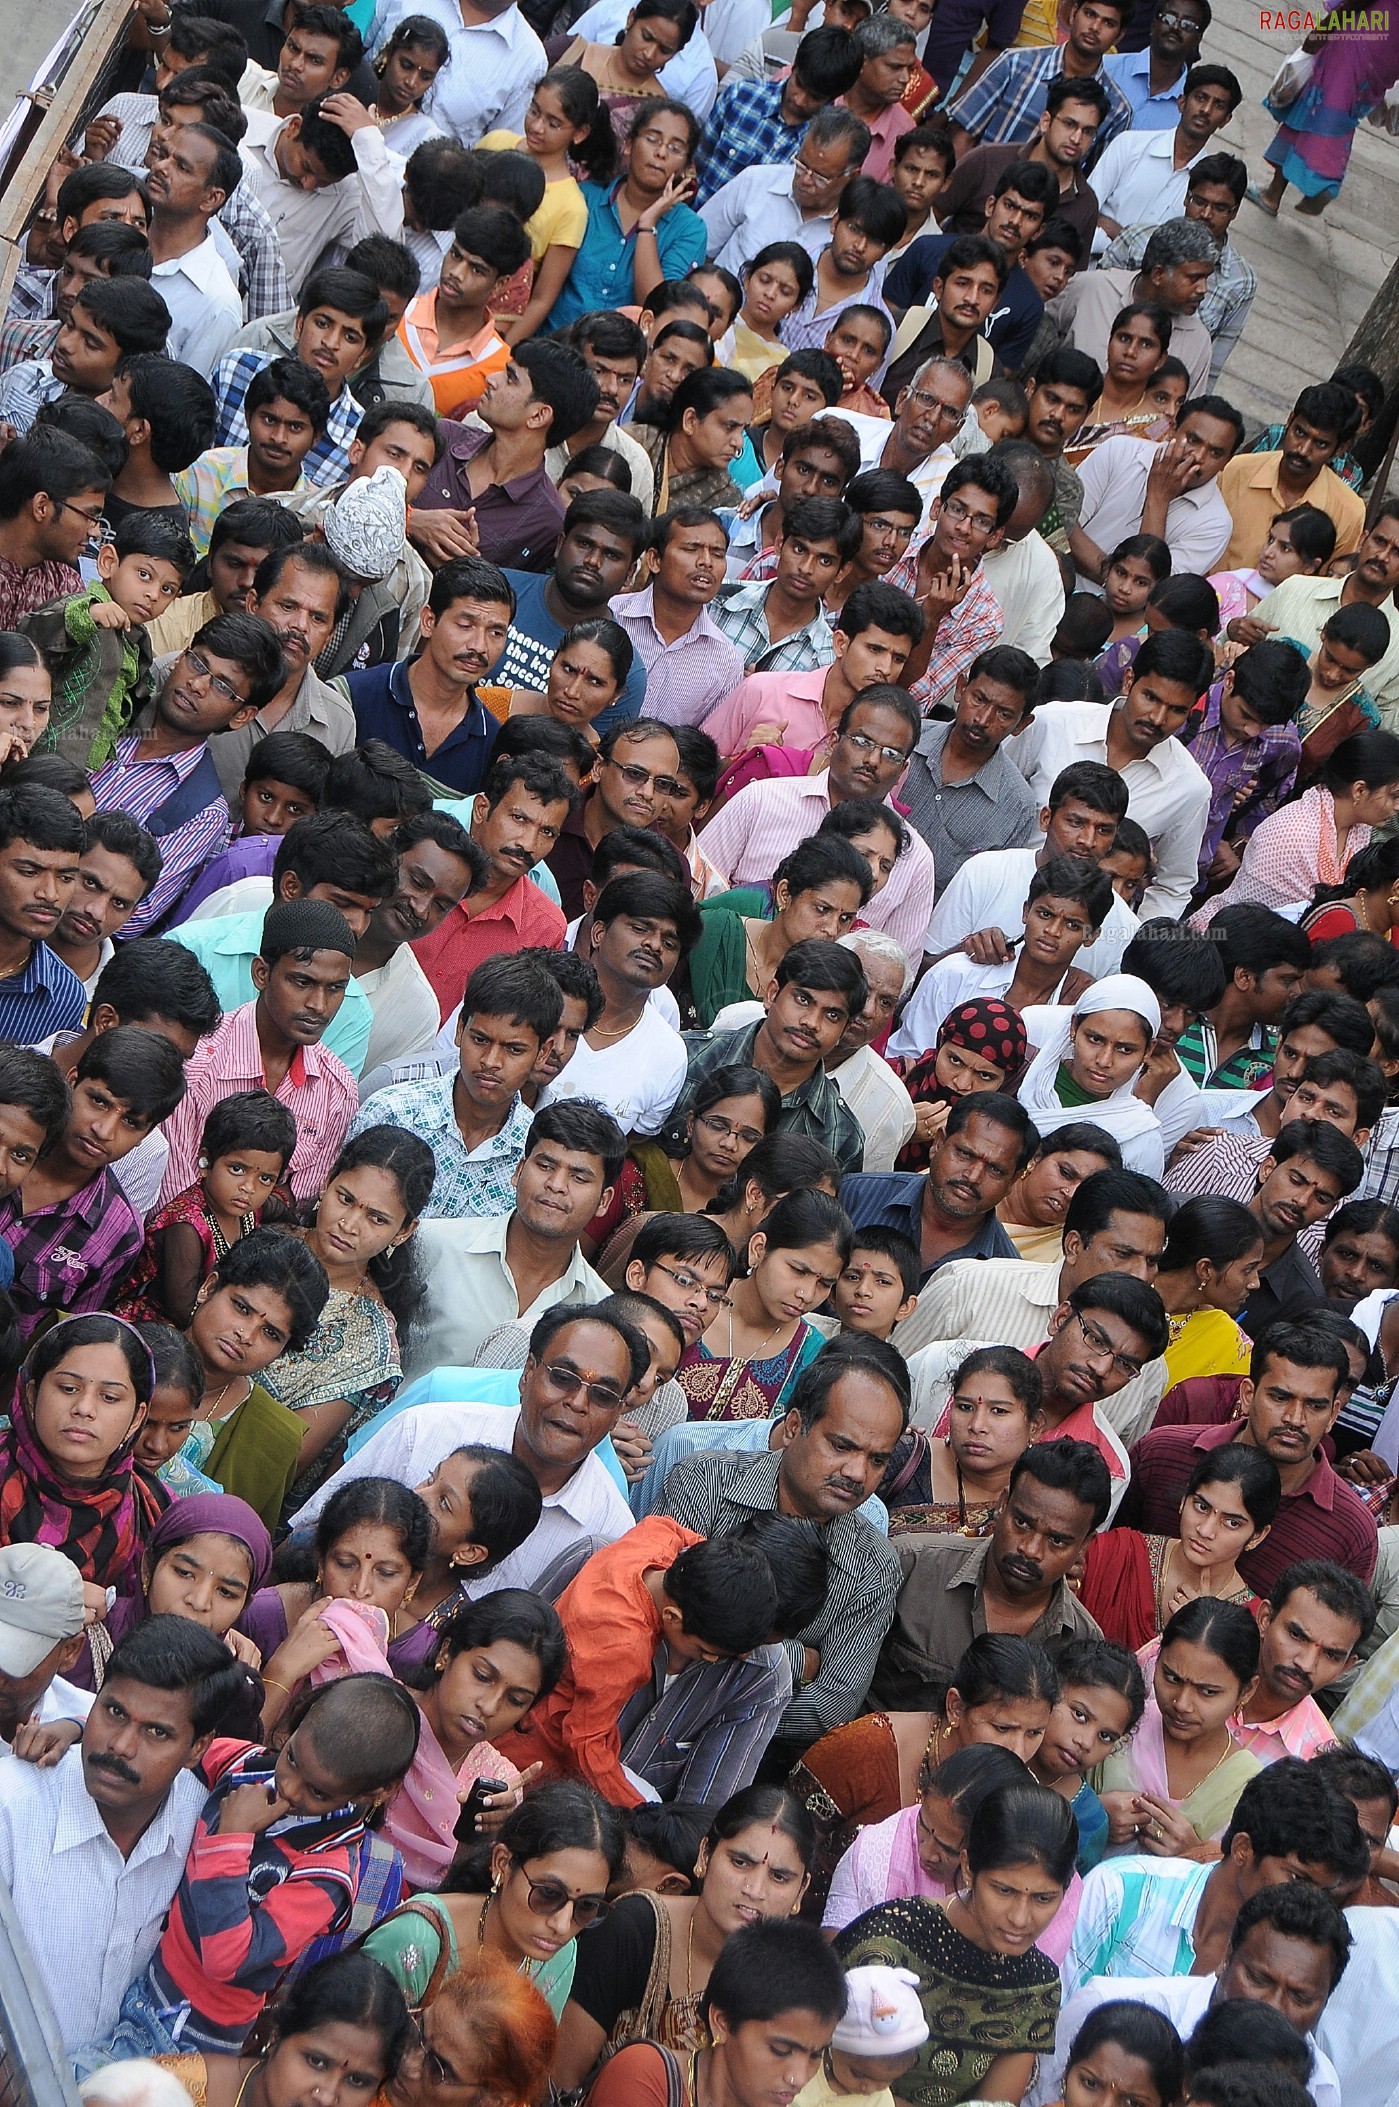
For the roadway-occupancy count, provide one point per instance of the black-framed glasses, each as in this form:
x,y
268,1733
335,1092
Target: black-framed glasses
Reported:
x,y
691,1284
202,670
603,1397
99,531
725,1130
1101,1346
548,1896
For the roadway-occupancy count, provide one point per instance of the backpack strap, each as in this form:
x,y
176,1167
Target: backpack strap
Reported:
x,y
200,788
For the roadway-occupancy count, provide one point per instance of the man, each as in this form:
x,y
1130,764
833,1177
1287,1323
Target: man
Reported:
x,y
631,1060
427,708
1299,608
949,1212
868,1084
765,122
1308,1170
613,349
192,171
325,178
1015,1579
604,532
165,777
203,96
1256,487
817,989
106,249
319,53
510,1268
870,218
758,827
928,414
51,496
690,664
1023,571
888,51
40,855
818,459
780,626
787,201
1176,267
541,396
1004,105
516,818
1012,214
112,1821
244,532
1142,178
1215,189
1064,388
847,1411
961,792
1186,975
1153,78
438,865
970,275
1169,794
1248,746
580,1366
636,764
1064,137
43,1630
286,407
1315,1621
1173,491
870,637
1264,957
1143,1916
300,592
977,498
1360,1253
678,348
1288,1404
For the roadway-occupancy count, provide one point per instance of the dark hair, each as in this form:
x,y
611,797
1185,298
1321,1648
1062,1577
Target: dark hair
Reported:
x,y
374,781
1185,660
1335,1589
1101,789
1058,233
330,146
1144,548
515,988
408,1160
774,1805
389,267
1363,961
1138,2031
796,1557
1069,88
1084,627
293,758
1362,1218
588,1130
1243,2054
823,859
1067,368
1302,1341
1003,1111
1252,938
616,510
560,378
349,1989
703,391
334,847
543,738
256,523
773,1967
1272,678
884,695
687,1236
141,1067
800,1219
172,1653
1291,1810
811,1394
1324,1145
218,45
470,578
121,835
646,112
397,409
1255,1474
1000,1665
966,1777
1209,1226
287,380
205,88
558,1816
780,1163
861,815
516,1615
1343,1018
1074,1467
671,1831
1074,878
44,818
92,180
583,106
1096,1664
875,208
1360,628
366,1726
1023,1825
34,1084
349,292
153,977
1102,1194
539,774
598,461
1082,1135
51,771
793,255
878,605
725,1592
735,1080
381,1501
1298,1911
248,1119
901,1251
47,461
827,63
822,371
1371,758
1355,1775
270,1258
176,402
1136,1303
647,895
1224,1629
174,1362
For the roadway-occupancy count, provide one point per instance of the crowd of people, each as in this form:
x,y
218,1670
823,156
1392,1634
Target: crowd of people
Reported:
x,y
699,1071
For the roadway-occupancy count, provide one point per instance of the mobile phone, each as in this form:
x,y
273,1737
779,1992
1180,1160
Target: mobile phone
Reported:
x,y
473,1805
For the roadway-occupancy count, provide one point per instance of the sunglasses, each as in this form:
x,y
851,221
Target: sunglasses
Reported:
x,y
548,1896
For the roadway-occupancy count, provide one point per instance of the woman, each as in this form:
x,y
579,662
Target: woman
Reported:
x,y
1366,898
745,1364
488,2039
918,1851
1089,1060
955,1480
1310,841
1300,543
1002,1690
1125,2052
874,829
817,890
627,70
1338,703
1209,1268
204,1559
66,1474
407,67
340,2030
497,1658
643,1973
773,1167
26,697
704,432
586,675
775,282
1176,1784
371,1544
523,1898
1134,1584
733,1111
1139,339
365,1222
989,1995
264,1298
566,122
1032,1212
1352,71
1101,1700
981,1045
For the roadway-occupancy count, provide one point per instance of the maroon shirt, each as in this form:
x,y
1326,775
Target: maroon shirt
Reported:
x,y
962,205
518,523
1325,1519
1200,1401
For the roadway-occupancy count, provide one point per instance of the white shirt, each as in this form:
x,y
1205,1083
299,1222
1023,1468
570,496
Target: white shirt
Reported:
x,y
951,982
1184,2000
750,210
141,1174
880,1102
1359,2028
1027,581
1198,523
492,69
1137,184
1168,793
92,1919
637,1079
690,77
989,892
471,1290
589,1508
241,897
307,221
731,25
206,312
405,1009
927,478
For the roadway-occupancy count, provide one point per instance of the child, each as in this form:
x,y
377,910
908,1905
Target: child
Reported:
x,y
274,1864
33,1114
1083,627
1338,704
1102,1695
567,121
1129,863
120,863
95,643
1185,601
172,1413
1246,741
879,1285
109,318
661,1599
1134,567
875,2044
448,334
245,1148
775,283
283,782
1002,408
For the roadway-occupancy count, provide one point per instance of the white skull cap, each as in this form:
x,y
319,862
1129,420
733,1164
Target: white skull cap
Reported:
x,y
365,527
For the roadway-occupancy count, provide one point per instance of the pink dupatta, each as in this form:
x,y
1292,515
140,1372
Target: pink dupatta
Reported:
x,y
886,1868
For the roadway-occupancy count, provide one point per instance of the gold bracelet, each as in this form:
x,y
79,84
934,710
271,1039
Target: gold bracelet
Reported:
x,y
276,1685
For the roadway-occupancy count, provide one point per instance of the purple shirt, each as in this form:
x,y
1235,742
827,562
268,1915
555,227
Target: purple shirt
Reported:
x,y
72,1255
250,856
518,522
1246,782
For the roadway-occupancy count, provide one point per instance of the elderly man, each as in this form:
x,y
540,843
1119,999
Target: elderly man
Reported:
x,y
787,201
1214,191
1176,269
868,1084
928,414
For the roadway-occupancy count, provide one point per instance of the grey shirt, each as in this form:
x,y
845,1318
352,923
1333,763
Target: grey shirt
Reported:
x,y
991,810
940,1611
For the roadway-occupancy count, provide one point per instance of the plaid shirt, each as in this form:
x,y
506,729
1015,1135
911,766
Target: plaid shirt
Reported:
x,y
1246,782
1005,106
745,130
468,1182
974,625
741,612
73,1255
27,338
815,1108
24,391
264,283
328,460
1228,296
128,784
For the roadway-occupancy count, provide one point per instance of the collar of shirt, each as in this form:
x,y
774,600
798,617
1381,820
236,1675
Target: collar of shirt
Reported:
x,y
202,265
752,601
1300,1730
472,442
125,757
640,605
239,1050
1138,65
36,973
754,1485
474,725
991,778
1320,1487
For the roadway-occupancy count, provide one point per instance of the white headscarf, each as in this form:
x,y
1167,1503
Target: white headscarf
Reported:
x,y
1133,1125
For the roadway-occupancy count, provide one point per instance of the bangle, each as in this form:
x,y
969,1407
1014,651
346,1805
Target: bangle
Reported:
x,y
276,1685
646,230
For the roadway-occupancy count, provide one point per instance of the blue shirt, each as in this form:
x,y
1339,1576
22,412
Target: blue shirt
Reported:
x,y
602,269
745,130
43,998
384,709
226,946
894,1199
534,638
1009,328
1131,72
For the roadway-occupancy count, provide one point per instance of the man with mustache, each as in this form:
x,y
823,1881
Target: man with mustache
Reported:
x,y
438,865
1309,1170
1014,1580
93,1849
1315,1621
604,532
950,1212
635,768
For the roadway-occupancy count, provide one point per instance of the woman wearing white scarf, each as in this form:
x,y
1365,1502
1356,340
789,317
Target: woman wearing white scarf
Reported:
x,y
1091,1074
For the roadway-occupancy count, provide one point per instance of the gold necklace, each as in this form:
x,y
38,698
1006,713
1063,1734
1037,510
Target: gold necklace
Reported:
x,y
771,1333
621,1033
526,1967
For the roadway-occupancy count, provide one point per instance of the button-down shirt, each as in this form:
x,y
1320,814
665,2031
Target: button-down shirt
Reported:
x,y
1228,295
91,1917
24,391
793,701
71,1255
814,1108
384,709
1285,1289
263,275
493,67
518,522
717,1493
1249,487
941,1609
1302,1730
1114,476
25,587
992,809
1181,1999
1157,111
44,997
126,783
317,708
1136,1917
328,460
1004,107
1227,1166
471,1290
317,1090
809,325
475,1181
1248,779
308,221
745,127
206,312
754,208
894,1200
522,919
1359,2025
968,629
1168,792
699,1736
213,482
990,891
764,823
1138,180
880,1102
741,613
603,270
226,946
685,679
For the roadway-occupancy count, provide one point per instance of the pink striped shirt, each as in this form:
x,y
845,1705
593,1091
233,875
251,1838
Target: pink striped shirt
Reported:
x,y
317,1089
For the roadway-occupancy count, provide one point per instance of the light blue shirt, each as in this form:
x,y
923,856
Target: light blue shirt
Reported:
x,y
1136,1917
1131,72
470,1386
692,1434
226,946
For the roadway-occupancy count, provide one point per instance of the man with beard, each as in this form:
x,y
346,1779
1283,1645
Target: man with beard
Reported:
x,y
950,1212
300,592
679,349
604,532
928,414
961,792
438,865
1315,1621
1014,1580
869,1086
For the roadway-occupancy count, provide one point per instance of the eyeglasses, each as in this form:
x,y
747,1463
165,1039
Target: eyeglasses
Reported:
x,y
1102,1349
637,779
1169,19
863,744
952,508
199,666
725,1130
816,176
603,1397
548,1896
893,527
99,528
688,1284
949,412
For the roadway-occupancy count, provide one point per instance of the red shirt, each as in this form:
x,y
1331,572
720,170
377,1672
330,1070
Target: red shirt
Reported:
x,y
524,919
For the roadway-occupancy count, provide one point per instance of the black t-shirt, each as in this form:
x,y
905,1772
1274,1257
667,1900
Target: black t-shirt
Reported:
x,y
614,1960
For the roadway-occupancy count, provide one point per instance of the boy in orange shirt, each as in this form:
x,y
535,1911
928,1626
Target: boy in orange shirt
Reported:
x,y
448,333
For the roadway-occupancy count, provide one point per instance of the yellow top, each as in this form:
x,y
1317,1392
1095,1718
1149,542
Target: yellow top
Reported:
x,y
1208,1342
562,218
819,2092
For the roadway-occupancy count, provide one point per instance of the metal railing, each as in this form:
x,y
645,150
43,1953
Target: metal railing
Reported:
x,y
33,2072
